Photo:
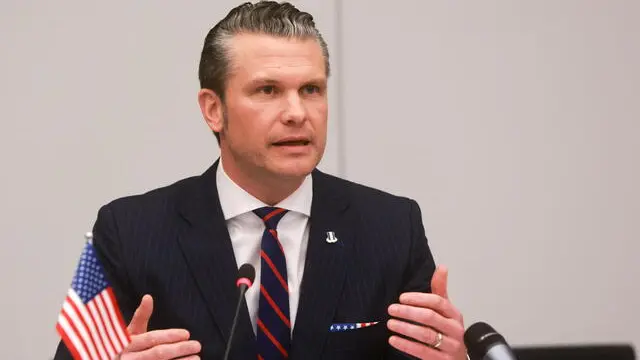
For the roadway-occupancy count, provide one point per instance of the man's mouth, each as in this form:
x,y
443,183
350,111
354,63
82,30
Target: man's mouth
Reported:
x,y
300,142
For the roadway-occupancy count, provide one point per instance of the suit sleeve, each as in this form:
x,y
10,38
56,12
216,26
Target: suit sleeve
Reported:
x,y
420,267
106,242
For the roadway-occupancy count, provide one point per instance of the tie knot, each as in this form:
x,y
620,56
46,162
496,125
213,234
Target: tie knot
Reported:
x,y
270,216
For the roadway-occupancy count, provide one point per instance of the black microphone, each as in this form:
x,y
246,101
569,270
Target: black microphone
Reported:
x,y
246,275
484,342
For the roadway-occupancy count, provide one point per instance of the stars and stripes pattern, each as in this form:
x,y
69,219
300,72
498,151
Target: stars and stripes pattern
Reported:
x,y
274,325
90,322
350,326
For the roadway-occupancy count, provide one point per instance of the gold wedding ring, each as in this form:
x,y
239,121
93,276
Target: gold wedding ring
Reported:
x,y
439,338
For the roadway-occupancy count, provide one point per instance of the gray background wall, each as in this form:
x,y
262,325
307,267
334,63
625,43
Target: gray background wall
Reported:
x,y
513,123
516,125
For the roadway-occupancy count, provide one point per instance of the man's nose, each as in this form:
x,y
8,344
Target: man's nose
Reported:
x,y
295,112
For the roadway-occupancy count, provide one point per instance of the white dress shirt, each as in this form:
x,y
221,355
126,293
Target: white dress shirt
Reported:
x,y
246,228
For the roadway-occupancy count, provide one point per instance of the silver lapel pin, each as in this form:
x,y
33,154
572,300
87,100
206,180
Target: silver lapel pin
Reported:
x,y
331,237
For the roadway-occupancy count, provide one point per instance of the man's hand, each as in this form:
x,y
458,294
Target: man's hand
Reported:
x,y
434,328
157,344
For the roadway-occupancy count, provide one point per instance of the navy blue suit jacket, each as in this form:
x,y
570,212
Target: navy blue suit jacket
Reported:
x,y
173,243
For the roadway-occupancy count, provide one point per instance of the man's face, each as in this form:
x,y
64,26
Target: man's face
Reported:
x,y
275,108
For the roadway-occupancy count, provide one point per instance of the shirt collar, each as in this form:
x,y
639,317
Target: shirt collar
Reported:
x,y
235,201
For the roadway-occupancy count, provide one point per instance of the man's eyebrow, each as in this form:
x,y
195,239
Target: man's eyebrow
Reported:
x,y
269,81
318,80
262,81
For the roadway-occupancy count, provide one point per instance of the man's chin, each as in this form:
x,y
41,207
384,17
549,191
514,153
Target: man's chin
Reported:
x,y
295,168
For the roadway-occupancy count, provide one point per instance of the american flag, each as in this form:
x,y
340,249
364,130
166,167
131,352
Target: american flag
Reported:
x,y
350,326
90,322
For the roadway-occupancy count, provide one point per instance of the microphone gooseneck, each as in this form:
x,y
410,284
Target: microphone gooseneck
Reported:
x,y
246,275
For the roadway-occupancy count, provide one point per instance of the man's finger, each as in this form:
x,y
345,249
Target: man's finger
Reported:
x,y
439,282
140,320
431,301
427,317
420,351
173,351
154,338
424,335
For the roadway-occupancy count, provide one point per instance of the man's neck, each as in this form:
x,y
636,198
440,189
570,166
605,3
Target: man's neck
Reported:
x,y
263,186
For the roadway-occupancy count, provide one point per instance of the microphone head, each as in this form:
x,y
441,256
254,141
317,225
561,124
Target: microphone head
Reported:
x,y
246,275
479,338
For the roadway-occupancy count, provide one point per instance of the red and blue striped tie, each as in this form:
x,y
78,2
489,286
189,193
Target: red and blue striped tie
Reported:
x,y
274,326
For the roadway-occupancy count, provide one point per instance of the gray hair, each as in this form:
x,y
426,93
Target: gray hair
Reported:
x,y
265,17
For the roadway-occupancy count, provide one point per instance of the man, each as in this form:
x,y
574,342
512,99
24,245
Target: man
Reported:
x,y
343,271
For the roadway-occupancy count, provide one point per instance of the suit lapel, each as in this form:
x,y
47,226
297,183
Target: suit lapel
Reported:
x,y
325,268
207,248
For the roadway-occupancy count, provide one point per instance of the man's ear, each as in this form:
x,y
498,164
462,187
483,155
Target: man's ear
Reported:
x,y
212,109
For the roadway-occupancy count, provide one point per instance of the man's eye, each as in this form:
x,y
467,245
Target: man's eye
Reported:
x,y
311,89
267,90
